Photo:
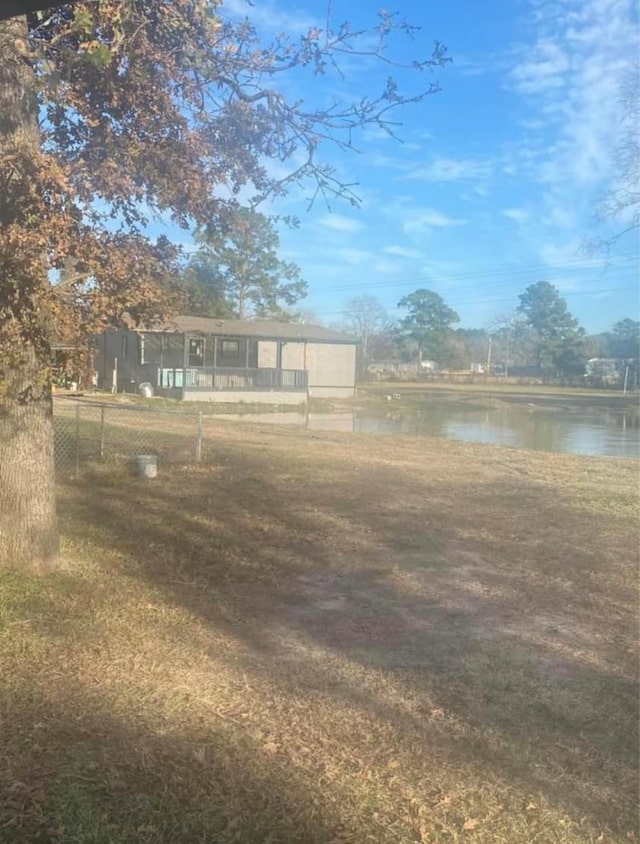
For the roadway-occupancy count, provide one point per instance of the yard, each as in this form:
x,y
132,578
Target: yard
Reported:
x,y
329,638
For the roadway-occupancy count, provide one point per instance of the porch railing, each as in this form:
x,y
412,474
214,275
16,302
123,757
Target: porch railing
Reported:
x,y
232,378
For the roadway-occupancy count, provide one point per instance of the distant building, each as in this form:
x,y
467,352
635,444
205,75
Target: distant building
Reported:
x,y
202,359
605,370
399,370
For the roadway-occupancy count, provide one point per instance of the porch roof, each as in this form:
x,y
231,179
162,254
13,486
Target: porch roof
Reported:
x,y
260,329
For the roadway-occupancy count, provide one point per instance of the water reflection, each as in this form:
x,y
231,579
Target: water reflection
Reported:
x,y
593,431
603,434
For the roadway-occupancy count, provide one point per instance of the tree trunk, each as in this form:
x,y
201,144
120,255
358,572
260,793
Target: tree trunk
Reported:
x,y
242,293
241,303
28,525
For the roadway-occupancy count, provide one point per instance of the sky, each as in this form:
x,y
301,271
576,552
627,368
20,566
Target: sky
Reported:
x,y
495,180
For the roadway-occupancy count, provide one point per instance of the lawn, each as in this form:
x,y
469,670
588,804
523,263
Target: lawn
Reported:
x,y
494,385
537,395
329,638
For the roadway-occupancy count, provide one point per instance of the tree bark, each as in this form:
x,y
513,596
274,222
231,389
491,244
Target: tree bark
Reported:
x,y
242,291
28,524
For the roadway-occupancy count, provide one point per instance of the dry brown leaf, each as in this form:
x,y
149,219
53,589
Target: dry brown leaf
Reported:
x,y
470,824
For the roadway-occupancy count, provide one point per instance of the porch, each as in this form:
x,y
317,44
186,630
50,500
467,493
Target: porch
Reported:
x,y
193,379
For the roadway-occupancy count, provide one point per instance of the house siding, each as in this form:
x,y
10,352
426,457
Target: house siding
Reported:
x,y
293,355
332,369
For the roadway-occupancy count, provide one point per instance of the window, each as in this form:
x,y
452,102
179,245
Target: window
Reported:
x,y
150,348
230,348
196,352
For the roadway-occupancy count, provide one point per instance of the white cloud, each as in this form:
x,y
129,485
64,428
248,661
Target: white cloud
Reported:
x,y
402,252
395,157
452,170
570,76
560,215
567,284
533,124
518,215
569,79
544,69
383,160
268,16
560,252
355,256
339,223
385,266
427,218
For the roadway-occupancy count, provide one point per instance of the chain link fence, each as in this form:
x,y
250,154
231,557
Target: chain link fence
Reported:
x,y
87,431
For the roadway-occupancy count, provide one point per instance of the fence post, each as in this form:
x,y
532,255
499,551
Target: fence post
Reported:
x,y
77,471
199,439
102,414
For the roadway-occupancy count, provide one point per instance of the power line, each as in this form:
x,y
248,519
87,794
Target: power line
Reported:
x,y
574,264
508,299
445,279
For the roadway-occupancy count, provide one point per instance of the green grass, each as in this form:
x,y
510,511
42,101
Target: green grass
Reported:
x,y
494,387
325,638
452,397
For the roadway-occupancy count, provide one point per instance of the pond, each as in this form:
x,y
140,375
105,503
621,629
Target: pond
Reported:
x,y
578,430
582,431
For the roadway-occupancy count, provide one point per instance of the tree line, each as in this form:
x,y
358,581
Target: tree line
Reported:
x,y
240,275
540,337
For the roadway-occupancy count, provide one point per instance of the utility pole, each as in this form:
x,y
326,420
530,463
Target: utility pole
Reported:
x,y
506,354
489,355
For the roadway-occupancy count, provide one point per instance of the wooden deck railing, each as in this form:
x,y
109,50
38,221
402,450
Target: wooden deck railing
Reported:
x,y
232,378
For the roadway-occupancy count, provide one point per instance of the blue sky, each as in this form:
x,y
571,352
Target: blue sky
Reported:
x,y
497,179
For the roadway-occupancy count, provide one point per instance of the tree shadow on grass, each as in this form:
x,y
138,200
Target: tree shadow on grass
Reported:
x,y
470,617
76,772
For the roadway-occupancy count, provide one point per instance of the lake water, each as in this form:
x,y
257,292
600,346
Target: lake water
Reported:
x,y
581,430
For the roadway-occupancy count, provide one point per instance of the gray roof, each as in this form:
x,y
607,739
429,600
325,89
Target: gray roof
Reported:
x,y
263,329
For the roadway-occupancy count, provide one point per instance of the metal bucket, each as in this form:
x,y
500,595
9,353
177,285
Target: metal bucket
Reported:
x,y
146,390
146,465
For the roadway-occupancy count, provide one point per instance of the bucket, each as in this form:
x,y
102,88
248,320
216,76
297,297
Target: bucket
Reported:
x,y
146,465
146,390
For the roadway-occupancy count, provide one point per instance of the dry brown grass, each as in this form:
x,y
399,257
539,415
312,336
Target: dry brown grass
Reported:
x,y
330,638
